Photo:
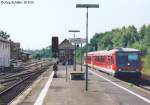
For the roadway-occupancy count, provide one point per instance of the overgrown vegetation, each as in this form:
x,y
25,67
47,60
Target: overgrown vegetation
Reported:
x,y
123,37
4,34
43,53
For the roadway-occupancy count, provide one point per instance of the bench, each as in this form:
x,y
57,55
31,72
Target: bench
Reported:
x,y
77,75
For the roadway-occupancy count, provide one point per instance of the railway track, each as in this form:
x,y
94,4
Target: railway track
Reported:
x,y
10,93
16,83
143,82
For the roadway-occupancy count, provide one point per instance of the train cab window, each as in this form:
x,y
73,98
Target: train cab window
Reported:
x,y
128,58
133,57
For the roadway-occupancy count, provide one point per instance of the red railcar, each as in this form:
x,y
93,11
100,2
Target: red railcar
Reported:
x,y
118,62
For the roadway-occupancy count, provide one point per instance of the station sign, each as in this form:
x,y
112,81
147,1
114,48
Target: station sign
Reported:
x,y
77,40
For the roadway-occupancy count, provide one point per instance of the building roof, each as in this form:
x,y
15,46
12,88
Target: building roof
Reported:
x,y
109,52
65,44
4,40
124,50
25,52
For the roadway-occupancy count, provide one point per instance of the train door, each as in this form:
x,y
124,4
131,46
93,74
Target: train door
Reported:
x,y
110,62
92,58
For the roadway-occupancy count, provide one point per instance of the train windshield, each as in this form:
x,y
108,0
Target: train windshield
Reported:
x,y
127,59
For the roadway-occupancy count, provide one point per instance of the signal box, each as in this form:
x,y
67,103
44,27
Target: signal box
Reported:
x,y
55,46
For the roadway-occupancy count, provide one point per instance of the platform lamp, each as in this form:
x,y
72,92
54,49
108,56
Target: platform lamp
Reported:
x,y
87,6
74,31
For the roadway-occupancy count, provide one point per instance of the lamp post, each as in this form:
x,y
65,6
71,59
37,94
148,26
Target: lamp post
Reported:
x,y
87,6
74,31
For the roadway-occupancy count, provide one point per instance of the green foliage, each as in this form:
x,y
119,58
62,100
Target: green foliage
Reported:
x,y
79,55
140,46
4,34
43,53
146,38
147,61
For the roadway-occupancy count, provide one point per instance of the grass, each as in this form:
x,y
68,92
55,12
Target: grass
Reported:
x,y
146,71
146,65
1,87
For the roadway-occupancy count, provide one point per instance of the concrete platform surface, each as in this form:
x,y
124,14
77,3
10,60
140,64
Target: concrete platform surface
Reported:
x,y
64,91
72,92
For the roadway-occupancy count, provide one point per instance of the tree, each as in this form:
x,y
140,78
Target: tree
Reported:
x,y
142,32
94,41
146,39
43,53
4,34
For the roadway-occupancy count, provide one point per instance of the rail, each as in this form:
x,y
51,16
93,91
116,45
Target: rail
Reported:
x,y
16,83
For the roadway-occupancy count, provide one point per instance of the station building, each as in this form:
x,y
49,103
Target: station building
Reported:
x,y
4,53
66,52
16,53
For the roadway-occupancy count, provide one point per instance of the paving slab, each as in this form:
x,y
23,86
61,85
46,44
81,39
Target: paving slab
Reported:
x,y
72,92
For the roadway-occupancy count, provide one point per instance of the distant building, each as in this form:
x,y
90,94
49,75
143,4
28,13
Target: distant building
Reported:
x,y
15,50
24,55
4,53
66,50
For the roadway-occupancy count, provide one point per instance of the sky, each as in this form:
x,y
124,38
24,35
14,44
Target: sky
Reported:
x,y
33,25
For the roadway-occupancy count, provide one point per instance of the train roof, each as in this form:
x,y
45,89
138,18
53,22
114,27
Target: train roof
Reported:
x,y
110,52
124,50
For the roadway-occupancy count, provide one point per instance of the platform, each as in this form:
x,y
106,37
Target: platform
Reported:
x,y
62,92
101,91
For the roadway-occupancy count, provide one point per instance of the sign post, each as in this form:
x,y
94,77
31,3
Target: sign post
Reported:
x,y
66,61
78,41
74,31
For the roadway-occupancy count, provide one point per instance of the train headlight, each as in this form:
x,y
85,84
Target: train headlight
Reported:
x,y
119,69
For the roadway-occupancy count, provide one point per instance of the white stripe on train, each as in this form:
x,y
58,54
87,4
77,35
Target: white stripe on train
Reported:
x,y
110,71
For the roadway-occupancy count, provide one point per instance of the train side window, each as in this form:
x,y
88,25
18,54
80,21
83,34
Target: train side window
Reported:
x,y
109,59
105,59
101,59
97,58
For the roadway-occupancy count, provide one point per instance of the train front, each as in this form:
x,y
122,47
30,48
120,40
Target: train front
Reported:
x,y
128,63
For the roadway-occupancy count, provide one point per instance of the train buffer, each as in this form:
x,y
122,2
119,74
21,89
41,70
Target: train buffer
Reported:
x,y
77,75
